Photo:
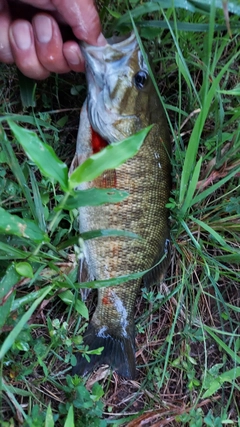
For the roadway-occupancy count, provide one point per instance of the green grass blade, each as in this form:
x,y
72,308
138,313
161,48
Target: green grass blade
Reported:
x,y
10,393
197,131
9,252
106,233
7,282
17,171
213,188
221,343
38,202
191,189
27,90
212,232
27,119
116,280
179,26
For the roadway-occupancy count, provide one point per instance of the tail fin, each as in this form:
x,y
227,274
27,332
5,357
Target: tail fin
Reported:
x,y
118,353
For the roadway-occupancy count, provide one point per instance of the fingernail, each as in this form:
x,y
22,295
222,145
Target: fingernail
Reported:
x,y
22,35
73,57
101,41
43,28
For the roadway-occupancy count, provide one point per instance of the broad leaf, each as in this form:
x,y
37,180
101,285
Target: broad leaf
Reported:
x,y
109,158
41,154
93,197
14,225
12,336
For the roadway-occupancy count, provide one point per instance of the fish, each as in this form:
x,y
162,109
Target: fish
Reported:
x,y
121,101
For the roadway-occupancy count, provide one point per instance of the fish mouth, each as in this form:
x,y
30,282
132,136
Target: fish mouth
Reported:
x,y
115,48
117,51
104,66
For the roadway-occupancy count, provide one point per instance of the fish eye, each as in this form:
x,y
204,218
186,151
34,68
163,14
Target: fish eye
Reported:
x,y
140,79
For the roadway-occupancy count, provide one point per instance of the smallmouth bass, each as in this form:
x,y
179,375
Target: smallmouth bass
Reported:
x,y
121,101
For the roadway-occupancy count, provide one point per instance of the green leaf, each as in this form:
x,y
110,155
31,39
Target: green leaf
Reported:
x,y
24,269
109,158
93,197
12,224
27,90
12,336
8,281
235,91
9,252
49,421
26,299
6,308
27,119
81,308
97,392
41,154
67,297
113,13
216,383
70,418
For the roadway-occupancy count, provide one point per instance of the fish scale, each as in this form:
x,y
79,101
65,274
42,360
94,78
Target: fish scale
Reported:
x,y
146,177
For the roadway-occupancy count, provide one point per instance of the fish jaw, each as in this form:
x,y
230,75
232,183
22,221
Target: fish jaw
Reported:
x,y
109,72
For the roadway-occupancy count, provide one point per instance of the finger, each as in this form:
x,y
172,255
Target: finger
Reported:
x,y
23,50
82,16
5,21
73,56
40,4
49,44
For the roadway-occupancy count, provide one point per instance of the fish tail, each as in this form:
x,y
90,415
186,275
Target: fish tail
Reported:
x,y
118,353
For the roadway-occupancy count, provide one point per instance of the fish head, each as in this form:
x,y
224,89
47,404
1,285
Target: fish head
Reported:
x,y
120,90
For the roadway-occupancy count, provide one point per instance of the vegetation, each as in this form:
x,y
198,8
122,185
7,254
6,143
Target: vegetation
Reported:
x,y
188,338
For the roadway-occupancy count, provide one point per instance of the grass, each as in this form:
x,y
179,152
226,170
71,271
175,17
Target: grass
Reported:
x,y
188,338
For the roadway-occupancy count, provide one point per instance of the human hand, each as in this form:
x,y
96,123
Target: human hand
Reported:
x,y
37,47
